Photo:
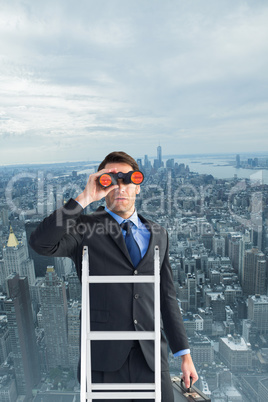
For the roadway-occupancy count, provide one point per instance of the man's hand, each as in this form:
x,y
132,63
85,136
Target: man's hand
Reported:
x,y
93,190
188,370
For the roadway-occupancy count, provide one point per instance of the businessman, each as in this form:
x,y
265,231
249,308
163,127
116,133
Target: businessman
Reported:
x,y
120,242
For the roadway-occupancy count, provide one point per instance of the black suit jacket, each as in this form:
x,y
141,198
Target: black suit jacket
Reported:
x,y
115,306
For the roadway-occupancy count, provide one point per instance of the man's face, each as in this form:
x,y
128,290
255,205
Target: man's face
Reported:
x,y
122,200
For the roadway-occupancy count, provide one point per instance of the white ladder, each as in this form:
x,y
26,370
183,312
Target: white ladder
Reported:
x,y
88,389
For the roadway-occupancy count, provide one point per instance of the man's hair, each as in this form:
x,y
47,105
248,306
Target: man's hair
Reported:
x,y
119,157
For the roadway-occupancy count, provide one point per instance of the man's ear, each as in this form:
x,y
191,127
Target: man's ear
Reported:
x,y
138,189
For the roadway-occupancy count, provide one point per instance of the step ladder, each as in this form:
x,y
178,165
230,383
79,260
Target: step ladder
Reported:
x,y
90,390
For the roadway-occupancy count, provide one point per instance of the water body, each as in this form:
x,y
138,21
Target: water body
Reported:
x,y
220,168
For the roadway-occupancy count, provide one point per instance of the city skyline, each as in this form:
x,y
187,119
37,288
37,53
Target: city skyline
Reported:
x,y
80,81
217,238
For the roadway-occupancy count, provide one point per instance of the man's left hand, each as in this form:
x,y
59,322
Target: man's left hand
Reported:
x,y
188,370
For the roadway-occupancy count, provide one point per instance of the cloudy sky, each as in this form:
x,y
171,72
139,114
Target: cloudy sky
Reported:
x,y
79,79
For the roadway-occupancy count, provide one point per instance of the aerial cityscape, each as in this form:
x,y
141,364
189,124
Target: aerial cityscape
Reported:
x,y
218,245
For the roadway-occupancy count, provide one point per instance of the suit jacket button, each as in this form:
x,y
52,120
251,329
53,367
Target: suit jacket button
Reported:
x,y
136,296
135,321
135,272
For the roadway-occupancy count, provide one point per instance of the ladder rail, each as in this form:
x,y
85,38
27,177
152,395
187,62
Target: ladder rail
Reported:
x,y
125,390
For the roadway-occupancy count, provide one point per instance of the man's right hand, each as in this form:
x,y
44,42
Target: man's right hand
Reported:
x,y
93,190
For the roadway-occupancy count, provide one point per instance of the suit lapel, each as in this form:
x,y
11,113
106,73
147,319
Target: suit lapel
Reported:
x,y
148,255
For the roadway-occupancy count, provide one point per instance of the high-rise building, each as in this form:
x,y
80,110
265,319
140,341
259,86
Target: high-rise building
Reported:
x,y
74,333
41,262
245,244
147,163
54,318
23,340
170,164
234,251
158,161
258,312
201,349
159,155
5,341
219,245
74,287
8,390
192,295
254,276
63,267
16,260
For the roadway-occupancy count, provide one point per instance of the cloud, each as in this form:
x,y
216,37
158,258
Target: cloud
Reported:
x,y
128,74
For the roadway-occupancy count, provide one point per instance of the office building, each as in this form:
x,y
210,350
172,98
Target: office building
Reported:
x,y
54,319
74,334
254,279
202,351
41,262
216,301
234,251
192,295
235,353
219,245
258,312
245,244
75,289
5,341
16,260
159,155
22,334
8,390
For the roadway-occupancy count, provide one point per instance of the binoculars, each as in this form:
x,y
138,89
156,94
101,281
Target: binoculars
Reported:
x,y
109,179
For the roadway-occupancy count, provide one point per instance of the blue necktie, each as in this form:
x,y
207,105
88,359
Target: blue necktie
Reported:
x,y
132,246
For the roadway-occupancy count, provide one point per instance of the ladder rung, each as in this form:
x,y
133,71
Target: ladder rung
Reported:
x,y
121,279
121,395
120,335
123,386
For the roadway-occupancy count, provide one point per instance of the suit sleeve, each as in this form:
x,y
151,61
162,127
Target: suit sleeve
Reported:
x,y
171,315
57,235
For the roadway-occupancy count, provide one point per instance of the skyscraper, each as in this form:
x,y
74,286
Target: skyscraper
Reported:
x,y
16,259
40,261
258,312
238,165
159,155
74,333
23,339
254,275
158,161
54,316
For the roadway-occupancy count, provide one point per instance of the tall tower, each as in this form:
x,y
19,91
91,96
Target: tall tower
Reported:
x,y
40,261
23,339
219,245
54,315
254,275
16,259
237,159
192,295
159,155
74,333
234,251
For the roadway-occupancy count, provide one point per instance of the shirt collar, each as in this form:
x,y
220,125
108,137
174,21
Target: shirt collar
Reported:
x,y
133,218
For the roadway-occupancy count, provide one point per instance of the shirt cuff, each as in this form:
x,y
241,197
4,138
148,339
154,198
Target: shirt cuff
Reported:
x,y
79,203
182,352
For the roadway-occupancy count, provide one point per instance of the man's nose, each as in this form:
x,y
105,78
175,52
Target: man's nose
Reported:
x,y
121,184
